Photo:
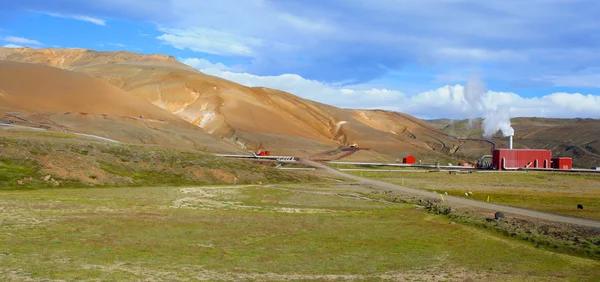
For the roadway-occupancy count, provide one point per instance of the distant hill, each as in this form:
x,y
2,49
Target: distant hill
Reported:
x,y
439,123
577,138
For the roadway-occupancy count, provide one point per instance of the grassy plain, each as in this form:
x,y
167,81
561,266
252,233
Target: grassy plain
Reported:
x,y
549,192
252,232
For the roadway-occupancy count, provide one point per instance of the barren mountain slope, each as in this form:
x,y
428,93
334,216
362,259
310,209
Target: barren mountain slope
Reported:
x,y
251,117
266,118
61,100
35,88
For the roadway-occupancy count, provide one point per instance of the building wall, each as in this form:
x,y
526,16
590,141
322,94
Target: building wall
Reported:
x,y
521,158
562,163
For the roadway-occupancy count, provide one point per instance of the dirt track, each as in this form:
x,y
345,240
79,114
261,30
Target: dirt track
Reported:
x,y
76,133
460,201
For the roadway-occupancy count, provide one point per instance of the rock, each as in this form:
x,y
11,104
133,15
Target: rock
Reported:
x,y
499,215
47,177
579,206
20,182
452,222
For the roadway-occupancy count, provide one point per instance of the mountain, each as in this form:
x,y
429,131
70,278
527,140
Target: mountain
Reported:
x,y
73,57
440,123
51,98
252,117
37,88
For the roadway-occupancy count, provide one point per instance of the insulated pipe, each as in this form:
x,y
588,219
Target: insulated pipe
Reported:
x,y
503,163
510,142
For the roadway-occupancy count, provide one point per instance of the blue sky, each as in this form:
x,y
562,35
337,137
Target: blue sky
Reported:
x,y
536,57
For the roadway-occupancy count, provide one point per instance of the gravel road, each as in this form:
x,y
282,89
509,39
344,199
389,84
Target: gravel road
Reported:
x,y
459,201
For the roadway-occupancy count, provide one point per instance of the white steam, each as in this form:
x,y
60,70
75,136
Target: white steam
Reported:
x,y
474,91
494,118
498,119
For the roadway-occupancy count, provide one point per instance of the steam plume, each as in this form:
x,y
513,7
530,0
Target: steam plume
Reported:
x,y
494,118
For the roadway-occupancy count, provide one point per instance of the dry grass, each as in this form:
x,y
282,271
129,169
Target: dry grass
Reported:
x,y
550,192
248,233
24,162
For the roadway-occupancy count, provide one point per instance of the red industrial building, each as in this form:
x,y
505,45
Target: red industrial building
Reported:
x,y
409,160
506,159
562,163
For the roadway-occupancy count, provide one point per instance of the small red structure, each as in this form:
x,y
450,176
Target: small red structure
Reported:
x,y
503,159
409,160
263,153
562,163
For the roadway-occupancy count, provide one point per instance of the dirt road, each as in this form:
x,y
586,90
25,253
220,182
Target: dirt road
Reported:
x,y
76,133
457,200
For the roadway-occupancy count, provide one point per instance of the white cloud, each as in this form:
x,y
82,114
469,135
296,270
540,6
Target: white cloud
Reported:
x,y
12,46
575,103
448,101
88,19
21,40
203,64
304,24
209,41
117,44
444,103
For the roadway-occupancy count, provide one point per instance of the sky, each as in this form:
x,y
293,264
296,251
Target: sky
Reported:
x,y
531,58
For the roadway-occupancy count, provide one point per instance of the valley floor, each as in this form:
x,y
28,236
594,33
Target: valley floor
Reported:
x,y
256,232
554,193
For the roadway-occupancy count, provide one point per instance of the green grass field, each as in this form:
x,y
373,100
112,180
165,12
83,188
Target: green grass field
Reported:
x,y
557,193
271,232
